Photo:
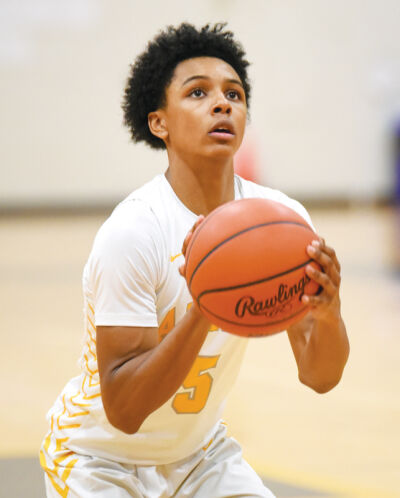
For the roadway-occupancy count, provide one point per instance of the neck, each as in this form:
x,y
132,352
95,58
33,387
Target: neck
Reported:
x,y
202,186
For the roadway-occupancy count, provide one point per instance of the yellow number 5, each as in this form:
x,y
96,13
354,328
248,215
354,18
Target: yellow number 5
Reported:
x,y
198,382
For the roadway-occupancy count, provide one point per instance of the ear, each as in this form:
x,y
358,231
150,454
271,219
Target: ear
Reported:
x,y
157,124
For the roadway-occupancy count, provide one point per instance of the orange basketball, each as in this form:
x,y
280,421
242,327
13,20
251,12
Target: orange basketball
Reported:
x,y
245,267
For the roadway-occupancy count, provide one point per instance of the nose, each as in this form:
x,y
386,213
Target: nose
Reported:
x,y
221,106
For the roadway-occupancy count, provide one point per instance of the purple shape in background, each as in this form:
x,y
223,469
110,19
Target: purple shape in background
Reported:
x,y
397,162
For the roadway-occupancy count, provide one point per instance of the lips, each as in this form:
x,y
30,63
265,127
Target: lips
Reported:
x,y
222,128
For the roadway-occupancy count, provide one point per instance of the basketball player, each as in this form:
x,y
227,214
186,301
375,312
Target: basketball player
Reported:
x,y
143,417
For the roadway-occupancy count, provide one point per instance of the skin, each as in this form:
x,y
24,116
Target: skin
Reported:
x,y
204,92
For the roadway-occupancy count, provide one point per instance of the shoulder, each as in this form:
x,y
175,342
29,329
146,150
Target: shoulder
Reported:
x,y
131,219
251,189
133,223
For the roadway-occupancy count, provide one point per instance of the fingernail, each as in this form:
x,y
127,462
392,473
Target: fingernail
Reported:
x,y
305,299
315,243
312,249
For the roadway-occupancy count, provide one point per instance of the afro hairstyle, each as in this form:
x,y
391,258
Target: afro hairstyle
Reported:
x,y
153,70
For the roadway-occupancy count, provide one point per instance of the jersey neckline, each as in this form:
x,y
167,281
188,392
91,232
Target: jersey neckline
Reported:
x,y
238,187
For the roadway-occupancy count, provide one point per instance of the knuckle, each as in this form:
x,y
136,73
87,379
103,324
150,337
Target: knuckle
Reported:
x,y
331,252
317,254
325,279
315,302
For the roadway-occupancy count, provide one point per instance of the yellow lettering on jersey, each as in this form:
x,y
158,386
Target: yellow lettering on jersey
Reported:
x,y
167,324
198,383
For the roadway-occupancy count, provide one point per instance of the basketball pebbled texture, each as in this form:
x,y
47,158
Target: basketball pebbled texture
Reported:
x,y
245,266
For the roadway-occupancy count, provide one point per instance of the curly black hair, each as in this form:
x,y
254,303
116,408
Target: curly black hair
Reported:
x,y
153,70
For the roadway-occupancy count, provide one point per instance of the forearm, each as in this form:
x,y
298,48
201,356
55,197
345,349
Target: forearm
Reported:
x,y
145,382
322,357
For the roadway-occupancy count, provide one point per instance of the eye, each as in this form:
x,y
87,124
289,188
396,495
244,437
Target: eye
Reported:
x,y
197,93
233,95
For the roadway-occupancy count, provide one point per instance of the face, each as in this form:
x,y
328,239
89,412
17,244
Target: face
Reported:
x,y
205,112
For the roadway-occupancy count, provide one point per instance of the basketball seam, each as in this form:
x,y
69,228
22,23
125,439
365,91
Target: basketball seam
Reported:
x,y
255,282
240,233
241,324
198,230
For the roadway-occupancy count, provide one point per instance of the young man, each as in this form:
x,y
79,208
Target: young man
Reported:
x,y
143,418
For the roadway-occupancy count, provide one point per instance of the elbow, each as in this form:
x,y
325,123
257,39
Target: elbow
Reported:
x,y
126,424
320,387
118,412
324,381
129,427
324,388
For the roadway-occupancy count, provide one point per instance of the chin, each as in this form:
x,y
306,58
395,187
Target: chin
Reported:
x,y
222,151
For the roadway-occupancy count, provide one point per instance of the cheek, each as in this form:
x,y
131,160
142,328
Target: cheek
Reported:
x,y
190,123
185,126
241,123
185,130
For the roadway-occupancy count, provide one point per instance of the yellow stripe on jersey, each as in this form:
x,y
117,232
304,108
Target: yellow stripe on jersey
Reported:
x,y
73,407
79,404
53,473
86,396
66,426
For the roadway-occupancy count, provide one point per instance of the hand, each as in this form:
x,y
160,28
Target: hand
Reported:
x,y
200,219
326,304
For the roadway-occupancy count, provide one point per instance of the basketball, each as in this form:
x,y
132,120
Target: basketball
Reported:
x,y
245,267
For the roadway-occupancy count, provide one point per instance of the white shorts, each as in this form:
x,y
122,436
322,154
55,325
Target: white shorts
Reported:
x,y
218,471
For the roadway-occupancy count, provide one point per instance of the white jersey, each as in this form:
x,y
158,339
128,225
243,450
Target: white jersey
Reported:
x,y
132,279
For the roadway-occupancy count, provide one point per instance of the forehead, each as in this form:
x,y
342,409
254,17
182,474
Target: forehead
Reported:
x,y
205,66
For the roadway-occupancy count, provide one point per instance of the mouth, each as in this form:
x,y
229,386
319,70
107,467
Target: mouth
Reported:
x,y
222,130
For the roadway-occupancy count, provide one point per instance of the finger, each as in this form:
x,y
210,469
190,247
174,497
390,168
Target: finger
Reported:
x,y
186,242
317,251
321,244
330,269
322,279
332,254
189,235
199,220
335,276
314,301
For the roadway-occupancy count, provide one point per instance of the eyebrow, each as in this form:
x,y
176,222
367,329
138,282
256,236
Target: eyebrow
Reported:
x,y
204,77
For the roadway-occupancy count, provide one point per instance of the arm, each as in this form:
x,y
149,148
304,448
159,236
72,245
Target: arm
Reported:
x,y
319,341
137,373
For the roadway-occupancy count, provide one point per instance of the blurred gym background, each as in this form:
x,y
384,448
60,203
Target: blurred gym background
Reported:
x,y
324,128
